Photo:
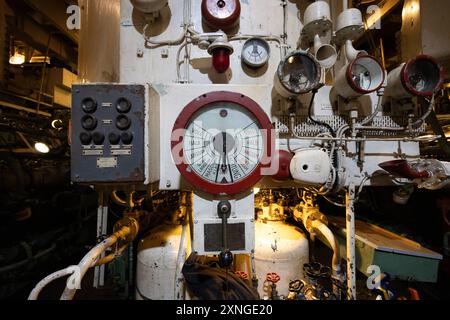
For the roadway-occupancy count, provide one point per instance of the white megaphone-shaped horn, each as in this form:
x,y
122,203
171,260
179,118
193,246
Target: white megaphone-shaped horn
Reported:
x,y
326,54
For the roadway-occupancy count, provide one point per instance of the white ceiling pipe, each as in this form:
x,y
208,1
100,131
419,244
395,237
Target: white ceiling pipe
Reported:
x,y
344,5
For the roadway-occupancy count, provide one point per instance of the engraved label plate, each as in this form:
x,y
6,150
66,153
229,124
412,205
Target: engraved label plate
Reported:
x,y
120,152
91,152
107,162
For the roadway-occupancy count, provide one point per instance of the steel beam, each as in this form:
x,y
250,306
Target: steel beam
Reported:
x,y
55,12
38,35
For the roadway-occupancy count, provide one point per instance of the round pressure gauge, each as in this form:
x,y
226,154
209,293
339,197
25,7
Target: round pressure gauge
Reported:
x,y
220,142
299,73
256,52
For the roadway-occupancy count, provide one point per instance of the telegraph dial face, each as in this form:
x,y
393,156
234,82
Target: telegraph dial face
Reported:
x,y
224,141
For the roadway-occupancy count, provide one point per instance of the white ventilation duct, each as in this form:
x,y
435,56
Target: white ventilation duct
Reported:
x,y
326,54
317,24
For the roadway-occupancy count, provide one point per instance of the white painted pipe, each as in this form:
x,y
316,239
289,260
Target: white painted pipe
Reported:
x,y
34,295
90,260
351,52
179,288
179,279
325,54
323,229
315,225
351,242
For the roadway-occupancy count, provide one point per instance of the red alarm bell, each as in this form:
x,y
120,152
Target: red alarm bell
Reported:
x,y
221,14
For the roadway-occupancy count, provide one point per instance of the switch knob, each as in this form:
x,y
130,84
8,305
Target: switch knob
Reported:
x,y
127,137
98,138
123,105
85,138
123,123
89,123
114,138
89,105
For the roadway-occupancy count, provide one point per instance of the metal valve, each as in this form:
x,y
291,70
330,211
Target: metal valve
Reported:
x,y
242,275
273,278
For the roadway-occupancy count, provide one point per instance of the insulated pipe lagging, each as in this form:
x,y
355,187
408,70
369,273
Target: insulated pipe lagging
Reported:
x,y
91,258
325,54
350,51
323,229
34,295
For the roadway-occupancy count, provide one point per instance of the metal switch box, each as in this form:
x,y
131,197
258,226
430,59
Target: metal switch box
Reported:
x,y
108,125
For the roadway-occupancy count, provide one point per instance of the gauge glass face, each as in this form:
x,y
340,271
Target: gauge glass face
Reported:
x,y
299,74
361,76
223,143
255,53
424,76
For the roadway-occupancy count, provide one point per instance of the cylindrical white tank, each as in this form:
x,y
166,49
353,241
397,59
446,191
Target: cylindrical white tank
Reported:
x,y
156,263
149,6
279,248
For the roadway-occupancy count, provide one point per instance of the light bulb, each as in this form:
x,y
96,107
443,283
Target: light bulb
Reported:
x,y
41,147
17,59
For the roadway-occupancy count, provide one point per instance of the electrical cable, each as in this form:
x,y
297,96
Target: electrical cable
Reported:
x,y
335,203
44,69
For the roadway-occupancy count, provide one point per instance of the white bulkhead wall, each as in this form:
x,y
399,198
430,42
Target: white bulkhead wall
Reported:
x,y
258,17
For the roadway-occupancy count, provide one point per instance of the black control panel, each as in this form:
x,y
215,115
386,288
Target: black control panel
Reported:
x,y
108,124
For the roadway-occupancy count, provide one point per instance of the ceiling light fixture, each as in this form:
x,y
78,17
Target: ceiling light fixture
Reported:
x,y
41,147
18,58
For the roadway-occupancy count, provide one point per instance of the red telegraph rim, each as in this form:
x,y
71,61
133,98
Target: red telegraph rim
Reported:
x,y
405,81
183,121
352,83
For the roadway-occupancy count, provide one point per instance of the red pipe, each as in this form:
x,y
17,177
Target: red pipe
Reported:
x,y
403,169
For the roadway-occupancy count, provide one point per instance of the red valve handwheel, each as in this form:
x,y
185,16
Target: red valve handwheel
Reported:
x,y
273,277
